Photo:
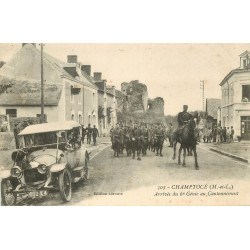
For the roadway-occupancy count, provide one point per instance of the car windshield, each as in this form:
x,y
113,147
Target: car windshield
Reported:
x,y
42,139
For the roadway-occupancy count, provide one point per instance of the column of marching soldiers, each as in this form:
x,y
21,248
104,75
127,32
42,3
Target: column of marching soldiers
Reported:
x,y
136,138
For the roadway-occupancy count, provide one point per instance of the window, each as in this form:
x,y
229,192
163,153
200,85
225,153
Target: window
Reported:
x,y
11,112
246,93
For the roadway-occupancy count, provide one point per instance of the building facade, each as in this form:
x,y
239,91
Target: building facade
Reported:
x,y
68,94
235,101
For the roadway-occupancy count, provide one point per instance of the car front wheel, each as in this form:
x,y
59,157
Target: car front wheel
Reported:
x,y
65,185
7,195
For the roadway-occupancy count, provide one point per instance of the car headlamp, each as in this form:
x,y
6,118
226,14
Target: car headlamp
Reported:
x,y
16,172
42,169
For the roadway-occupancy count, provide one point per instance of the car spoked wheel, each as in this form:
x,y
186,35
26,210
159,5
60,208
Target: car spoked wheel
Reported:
x,y
65,185
7,195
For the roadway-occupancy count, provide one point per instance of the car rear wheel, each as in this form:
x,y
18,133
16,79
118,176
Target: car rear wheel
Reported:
x,y
7,196
65,185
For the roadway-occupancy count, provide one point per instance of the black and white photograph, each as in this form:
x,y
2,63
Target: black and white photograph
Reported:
x,y
124,124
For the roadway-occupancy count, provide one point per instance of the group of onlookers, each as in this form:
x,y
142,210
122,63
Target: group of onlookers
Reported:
x,y
89,133
223,134
217,135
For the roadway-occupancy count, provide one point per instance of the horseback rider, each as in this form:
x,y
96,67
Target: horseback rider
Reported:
x,y
184,117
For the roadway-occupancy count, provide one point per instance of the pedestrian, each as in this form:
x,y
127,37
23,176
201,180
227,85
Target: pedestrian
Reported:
x,y
224,134
95,133
232,134
228,134
214,134
219,133
83,133
89,133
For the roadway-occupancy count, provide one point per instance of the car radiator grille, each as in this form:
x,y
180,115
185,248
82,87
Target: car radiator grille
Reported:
x,y
32,175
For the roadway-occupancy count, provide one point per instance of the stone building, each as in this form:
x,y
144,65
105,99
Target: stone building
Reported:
x,y
235,101
137,95
156,105
68,93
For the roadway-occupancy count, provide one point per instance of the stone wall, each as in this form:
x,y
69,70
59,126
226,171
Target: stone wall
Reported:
x,y
7,141
156,105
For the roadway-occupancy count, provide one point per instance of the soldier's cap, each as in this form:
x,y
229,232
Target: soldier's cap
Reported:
x,y
185,106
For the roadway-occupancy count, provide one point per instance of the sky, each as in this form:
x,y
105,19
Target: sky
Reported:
x,y
171,71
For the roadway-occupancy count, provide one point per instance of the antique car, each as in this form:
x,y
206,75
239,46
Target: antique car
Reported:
x,y
50,157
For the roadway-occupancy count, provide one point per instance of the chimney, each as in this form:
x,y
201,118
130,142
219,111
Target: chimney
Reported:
x,y
34,44
86,69
72,58
98,76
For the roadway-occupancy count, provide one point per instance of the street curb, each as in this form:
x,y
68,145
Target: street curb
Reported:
x,y
96,153
229,155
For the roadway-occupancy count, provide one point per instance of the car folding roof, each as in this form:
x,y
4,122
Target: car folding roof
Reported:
x,y
49,127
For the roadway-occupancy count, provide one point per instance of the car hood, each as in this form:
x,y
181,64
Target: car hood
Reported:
x,y
44,156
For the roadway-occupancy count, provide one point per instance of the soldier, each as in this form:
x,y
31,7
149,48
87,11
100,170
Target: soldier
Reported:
x,y
95,133
184,116
139,143
89,132
145,136
83,133
116,139
159,136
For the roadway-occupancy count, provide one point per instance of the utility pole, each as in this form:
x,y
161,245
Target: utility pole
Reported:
x,y
42,86
202,87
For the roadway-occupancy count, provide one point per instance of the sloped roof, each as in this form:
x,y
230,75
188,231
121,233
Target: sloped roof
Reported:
x,y
109,90
28,93
237,70
119,94
212,105
26,64
244,53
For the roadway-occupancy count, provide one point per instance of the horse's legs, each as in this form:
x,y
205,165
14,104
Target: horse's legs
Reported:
x,y
179,156
174,146
195,158
184,157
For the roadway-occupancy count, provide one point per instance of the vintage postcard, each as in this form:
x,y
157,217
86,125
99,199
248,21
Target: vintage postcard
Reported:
x,y
124,124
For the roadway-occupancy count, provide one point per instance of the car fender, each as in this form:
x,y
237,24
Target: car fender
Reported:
x,y
4,174
57,167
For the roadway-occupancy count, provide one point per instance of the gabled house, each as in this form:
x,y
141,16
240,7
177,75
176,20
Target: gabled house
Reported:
x,y
69,94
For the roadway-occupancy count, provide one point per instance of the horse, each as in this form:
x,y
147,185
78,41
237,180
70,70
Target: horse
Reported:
x,y
186,136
